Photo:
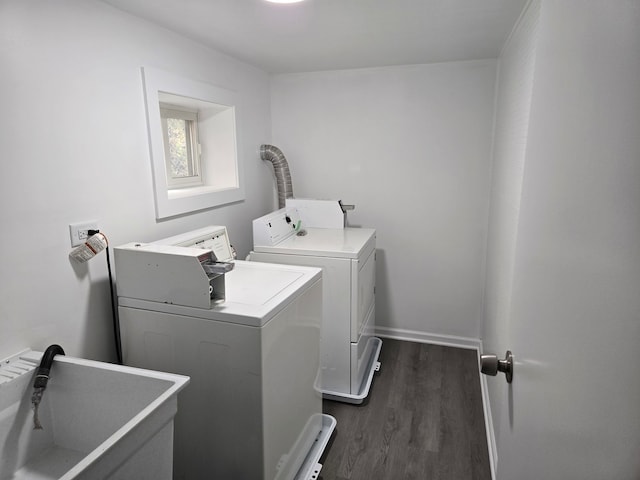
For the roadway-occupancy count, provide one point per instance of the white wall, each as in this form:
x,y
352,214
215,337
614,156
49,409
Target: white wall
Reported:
x,y
410,146
573,409
74,148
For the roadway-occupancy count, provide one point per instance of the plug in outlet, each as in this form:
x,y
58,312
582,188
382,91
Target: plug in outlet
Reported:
x,y
80,232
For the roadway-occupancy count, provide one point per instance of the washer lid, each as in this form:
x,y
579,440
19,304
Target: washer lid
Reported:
x,y
325,242
246,285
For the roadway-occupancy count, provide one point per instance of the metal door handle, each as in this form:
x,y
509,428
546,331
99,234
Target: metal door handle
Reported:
x,y
490,365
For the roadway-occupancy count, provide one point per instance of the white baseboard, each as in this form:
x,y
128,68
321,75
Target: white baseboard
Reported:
x,y
460,342
488,423
424,337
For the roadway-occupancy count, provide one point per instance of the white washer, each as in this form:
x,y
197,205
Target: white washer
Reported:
x,y
251,410
348,350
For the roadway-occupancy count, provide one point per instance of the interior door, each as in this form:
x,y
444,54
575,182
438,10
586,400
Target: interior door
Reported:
x,y
573,409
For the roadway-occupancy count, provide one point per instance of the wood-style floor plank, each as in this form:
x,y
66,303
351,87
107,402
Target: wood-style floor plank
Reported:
x,y
423,419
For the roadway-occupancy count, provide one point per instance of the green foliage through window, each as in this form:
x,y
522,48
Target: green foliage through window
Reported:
x,y
180,130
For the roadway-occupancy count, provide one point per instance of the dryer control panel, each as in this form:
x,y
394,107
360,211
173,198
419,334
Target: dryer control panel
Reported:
x,y
298,214
274,227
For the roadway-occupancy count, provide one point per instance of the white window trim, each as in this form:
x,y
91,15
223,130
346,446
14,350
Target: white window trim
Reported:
x,y
193,146
169,201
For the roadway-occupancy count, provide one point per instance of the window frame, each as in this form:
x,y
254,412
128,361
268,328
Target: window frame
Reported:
x,y
194,156
222,159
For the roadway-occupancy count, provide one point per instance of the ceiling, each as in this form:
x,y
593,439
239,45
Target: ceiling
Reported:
x,y
338,34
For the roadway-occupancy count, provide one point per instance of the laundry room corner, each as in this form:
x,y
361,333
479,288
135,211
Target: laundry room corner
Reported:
x,y
410,146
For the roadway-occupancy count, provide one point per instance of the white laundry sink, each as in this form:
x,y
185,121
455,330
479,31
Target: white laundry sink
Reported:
x,y
99,421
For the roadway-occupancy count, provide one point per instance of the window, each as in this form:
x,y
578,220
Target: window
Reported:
x,y
181,147
192,141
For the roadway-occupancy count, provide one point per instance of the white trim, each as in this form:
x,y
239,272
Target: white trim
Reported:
x,y
158,84
425,337
516,26
459,342
488,420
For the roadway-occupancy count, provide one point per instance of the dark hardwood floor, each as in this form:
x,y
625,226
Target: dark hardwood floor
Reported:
x,y
423,419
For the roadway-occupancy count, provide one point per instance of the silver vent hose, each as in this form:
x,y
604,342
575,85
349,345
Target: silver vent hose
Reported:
x,y
281,169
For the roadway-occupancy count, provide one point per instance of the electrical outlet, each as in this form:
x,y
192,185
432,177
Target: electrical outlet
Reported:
x,y
80,231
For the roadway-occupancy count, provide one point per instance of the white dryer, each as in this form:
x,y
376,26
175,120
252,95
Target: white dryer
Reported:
x,y
312,233
251,349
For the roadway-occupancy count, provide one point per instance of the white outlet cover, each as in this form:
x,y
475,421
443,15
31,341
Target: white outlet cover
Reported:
x,y
78,231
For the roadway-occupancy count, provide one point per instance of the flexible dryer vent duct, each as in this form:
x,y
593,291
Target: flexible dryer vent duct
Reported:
x,y
281,169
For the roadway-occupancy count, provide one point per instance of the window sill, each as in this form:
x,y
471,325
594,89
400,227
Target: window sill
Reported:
x,y
217,124
171,203
192,191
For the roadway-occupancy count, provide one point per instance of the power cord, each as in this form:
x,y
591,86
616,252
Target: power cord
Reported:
x,y
116,323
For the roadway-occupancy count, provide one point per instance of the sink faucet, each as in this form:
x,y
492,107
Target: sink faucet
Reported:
x,y
41,379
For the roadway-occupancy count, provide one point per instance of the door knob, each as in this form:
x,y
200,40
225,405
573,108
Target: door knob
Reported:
x,y
490,365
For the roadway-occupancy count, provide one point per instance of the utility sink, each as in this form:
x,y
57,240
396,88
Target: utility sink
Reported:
x,y
99,421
